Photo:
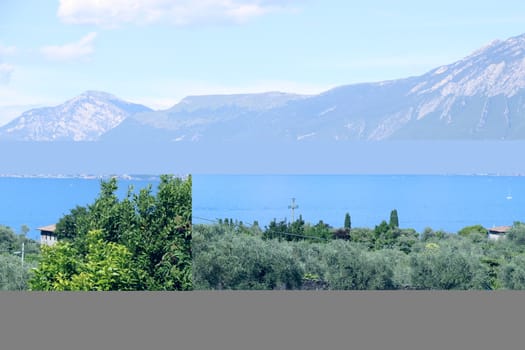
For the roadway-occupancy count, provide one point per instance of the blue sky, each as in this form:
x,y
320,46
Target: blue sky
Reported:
x,y
158,51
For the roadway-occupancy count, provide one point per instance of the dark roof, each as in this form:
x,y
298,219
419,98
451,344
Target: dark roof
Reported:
x,y
48,228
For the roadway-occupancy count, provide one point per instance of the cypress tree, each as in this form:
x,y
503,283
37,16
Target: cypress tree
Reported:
x,y
394,220
348,222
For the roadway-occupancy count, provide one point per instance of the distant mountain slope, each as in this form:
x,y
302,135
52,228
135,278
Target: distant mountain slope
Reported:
x,y
479,97
83,118
194,116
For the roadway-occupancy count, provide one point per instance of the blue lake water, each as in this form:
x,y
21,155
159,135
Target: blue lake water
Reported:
x,y
447,202
440,202
37,202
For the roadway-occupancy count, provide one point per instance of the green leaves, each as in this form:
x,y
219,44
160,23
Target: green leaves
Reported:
x,y
106,266
234,261
12,275
385,258
142,242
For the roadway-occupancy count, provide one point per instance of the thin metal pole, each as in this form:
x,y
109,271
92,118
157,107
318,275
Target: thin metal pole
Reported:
x,y
22,255
293,207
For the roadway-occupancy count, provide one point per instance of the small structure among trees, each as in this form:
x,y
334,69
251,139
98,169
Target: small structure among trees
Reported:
x,y
498,232
47,235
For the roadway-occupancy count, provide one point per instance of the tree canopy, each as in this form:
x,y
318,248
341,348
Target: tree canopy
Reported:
x,y
385,257
142,242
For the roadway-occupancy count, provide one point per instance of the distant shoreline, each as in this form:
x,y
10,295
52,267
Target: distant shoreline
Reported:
x,y
81,176
157,177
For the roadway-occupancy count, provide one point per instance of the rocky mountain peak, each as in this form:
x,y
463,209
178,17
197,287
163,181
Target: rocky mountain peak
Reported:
x,y
82,118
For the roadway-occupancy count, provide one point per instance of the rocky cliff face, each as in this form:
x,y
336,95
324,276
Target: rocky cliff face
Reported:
x,y
83,118
479,97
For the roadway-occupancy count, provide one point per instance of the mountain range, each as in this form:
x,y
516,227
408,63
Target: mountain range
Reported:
x,y
481,97
83,118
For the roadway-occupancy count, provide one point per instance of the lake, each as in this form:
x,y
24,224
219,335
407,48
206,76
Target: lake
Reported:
x,y
37,202
448,202
437,201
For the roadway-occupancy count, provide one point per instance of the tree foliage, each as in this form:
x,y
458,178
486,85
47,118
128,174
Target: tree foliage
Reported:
x,y
151,232
250,263
348,222
394,219
381,258
15,273
14,276
105,266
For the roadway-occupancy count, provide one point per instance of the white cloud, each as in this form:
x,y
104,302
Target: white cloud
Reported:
x,y
72,51
177,12
6,69
7,50
5,72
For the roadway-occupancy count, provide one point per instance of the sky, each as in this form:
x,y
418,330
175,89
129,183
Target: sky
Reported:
x,y
156,52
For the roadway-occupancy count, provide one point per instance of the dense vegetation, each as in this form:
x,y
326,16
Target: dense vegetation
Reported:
x,y
230,255
142,242
15,270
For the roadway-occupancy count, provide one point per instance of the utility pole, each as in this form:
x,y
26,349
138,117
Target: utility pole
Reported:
x,y
293,206
23,251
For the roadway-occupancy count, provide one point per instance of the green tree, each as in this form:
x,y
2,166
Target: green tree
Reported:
x,y
348,222
319,232
75,224
447,267
255,229
8,239
296,229
516,234
106,266
276,229
57,266
154,228
160,236
363,236
513,273
394,220
381,229
474,232
14,276
350,268
233,261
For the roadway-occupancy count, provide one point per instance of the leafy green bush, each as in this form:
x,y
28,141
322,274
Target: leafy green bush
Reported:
x,y
155,229
446,266
349,268
14,276
233,261
513,273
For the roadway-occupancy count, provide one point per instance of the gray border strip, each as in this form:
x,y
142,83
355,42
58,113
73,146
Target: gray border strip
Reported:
x,y
263,320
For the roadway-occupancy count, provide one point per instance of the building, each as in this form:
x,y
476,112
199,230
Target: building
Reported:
x,y
47,235
498,232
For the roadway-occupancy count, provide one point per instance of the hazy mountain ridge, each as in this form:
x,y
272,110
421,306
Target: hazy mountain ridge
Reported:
x,y
83,118
479,97
193,116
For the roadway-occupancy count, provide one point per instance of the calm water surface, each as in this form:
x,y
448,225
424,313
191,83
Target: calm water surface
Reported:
x,y
37,202
440,202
